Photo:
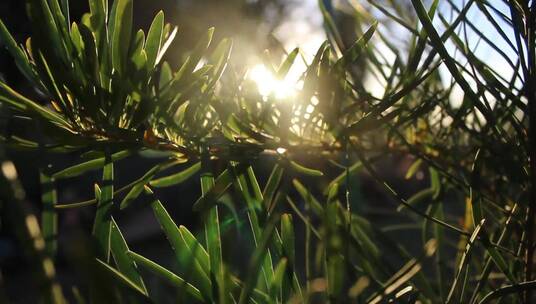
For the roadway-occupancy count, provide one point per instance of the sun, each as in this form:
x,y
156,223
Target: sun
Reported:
x,y
270,85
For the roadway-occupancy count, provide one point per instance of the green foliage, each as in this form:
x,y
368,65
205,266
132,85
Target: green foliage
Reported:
x,y
110,95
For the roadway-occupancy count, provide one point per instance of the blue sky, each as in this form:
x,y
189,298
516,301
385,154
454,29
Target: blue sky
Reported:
x,y
304,28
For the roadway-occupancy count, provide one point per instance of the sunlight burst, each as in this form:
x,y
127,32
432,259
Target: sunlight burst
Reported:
x,y
268,84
